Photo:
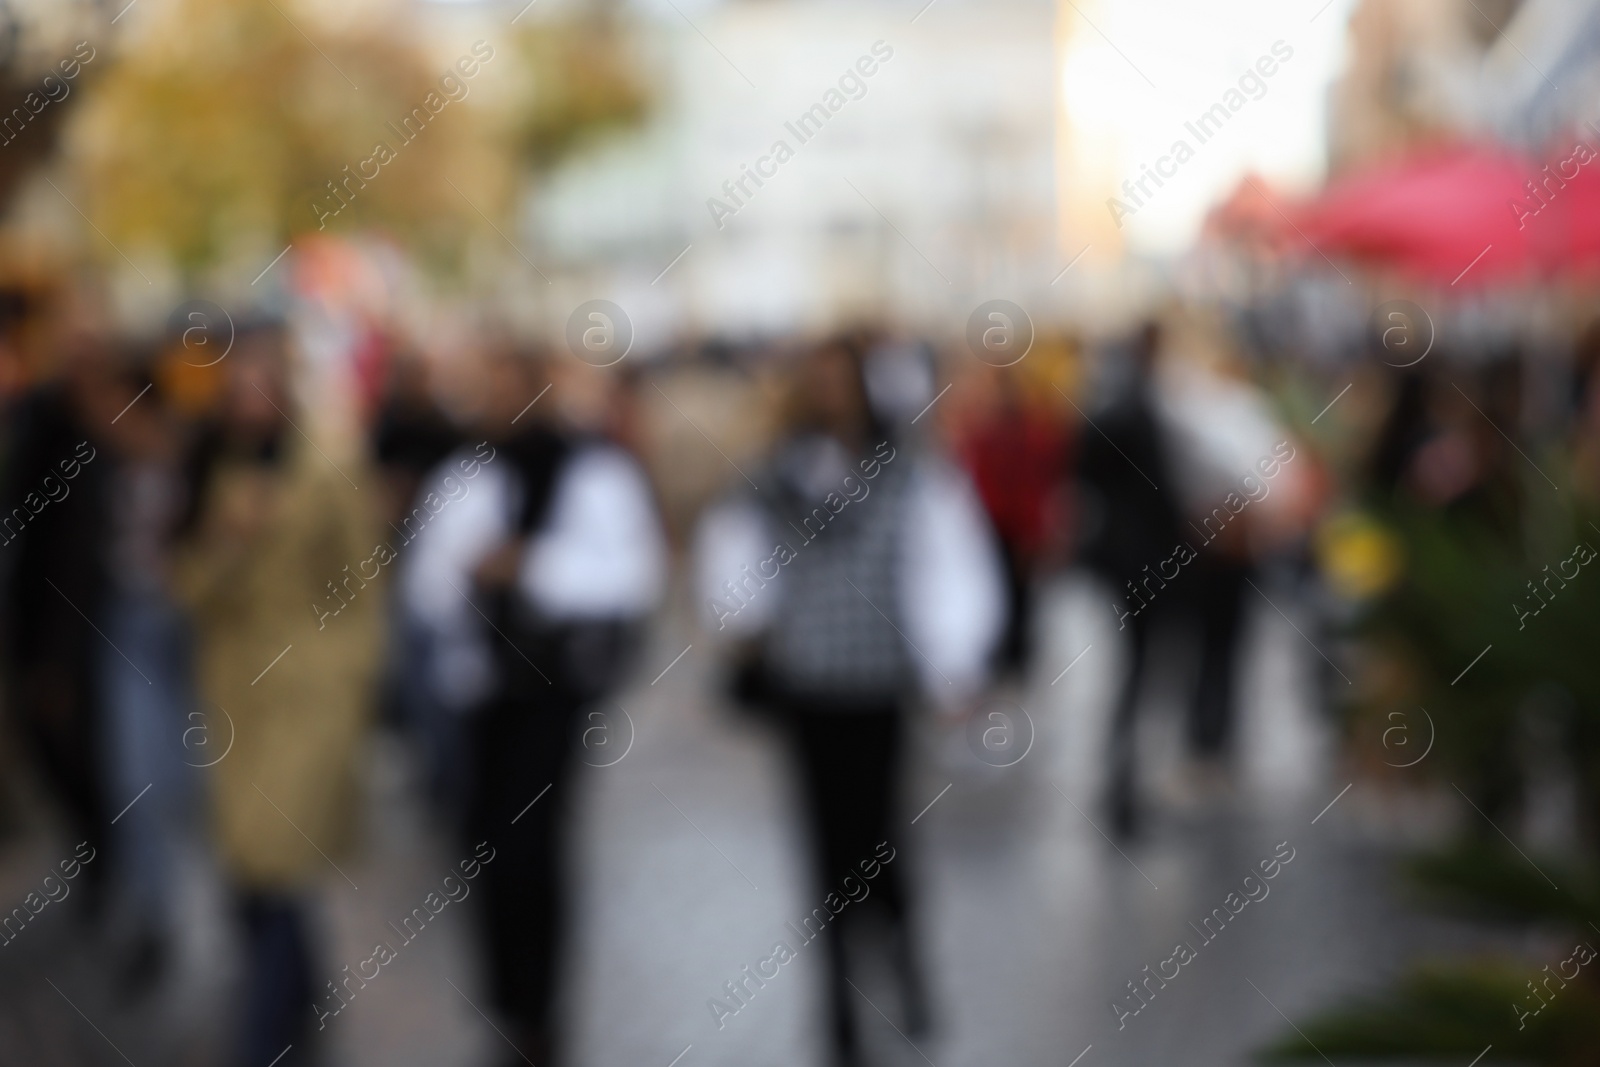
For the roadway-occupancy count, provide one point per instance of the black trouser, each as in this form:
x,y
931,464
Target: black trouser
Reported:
x,y
1124,740
849,763
523,745
279,999
1015,652
1217,598
57,705
1214,599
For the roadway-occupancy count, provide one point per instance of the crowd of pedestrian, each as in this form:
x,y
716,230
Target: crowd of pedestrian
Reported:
x,y
209,604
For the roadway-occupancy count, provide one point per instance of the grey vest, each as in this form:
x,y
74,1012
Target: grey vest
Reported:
x,y
836,635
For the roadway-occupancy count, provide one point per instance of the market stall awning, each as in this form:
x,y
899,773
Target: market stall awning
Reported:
x,y
1461,216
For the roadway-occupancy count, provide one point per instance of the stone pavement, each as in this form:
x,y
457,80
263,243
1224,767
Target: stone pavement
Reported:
x,y
689,863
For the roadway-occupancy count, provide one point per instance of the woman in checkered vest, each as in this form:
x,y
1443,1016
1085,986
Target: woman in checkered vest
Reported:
x,y
857,574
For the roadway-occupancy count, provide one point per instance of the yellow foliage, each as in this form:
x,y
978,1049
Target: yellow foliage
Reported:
x,y
580,81
225,124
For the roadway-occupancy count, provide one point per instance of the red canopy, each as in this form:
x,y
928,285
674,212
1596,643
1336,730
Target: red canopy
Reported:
x,y
1461,216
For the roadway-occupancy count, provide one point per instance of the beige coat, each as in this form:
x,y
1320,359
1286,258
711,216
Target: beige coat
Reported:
x,y
285,797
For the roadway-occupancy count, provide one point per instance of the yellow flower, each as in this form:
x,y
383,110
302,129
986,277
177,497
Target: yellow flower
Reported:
x,y
1358,556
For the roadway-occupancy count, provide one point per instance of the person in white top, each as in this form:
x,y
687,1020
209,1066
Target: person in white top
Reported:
x,y
532,583
1237,479
858,572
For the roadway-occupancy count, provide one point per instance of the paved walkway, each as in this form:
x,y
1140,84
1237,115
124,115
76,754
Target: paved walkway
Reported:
x,y
1033,921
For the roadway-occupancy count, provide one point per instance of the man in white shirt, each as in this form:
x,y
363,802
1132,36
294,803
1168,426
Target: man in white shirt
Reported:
x,y
531,586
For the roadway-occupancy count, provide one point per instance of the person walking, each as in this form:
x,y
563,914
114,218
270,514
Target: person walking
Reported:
x,y
1130,522
531,588
1018,453
146,676
1243,494
858,570
274,537
55,575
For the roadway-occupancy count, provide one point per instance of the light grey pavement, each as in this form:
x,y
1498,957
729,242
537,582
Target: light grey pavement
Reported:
x,y
1033,921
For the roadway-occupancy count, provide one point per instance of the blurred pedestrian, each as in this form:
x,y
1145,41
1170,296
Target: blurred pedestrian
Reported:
x,y
1130,518
412,434
145,670
54,555
858,569
1235,471
1017,454
411,437
533,583
275,534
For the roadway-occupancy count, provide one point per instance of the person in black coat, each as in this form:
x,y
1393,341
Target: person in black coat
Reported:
x,y
1131,520
54,574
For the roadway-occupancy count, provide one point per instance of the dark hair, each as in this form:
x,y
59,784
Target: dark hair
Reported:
x,y
1145,344
15,306
135,365
850,347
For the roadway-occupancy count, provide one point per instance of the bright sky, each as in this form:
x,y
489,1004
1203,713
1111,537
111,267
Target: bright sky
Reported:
x,y
1155,64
